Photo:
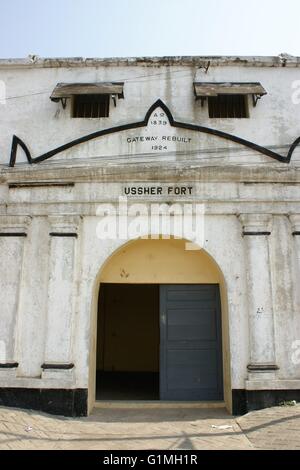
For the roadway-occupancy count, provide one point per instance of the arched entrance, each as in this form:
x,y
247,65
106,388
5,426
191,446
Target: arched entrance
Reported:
x,y
162,325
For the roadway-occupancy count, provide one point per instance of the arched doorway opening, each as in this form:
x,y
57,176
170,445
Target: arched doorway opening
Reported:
x,y
162,326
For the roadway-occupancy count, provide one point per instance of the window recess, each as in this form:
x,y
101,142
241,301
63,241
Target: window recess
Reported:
x,y
228,106
90,106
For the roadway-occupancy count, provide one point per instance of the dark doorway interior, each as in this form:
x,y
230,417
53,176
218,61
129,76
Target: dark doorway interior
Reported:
x,y
128,342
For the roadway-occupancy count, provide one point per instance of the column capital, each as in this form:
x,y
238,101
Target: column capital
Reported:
x,y
295,222
14,224
256,224
64,224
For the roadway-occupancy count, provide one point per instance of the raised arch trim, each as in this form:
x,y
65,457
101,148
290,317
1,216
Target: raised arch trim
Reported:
x,y
16,141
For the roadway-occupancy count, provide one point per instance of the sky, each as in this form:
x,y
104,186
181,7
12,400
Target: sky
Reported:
x,y
123,28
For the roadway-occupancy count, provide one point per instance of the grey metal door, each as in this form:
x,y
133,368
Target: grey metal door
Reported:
x,y
190,342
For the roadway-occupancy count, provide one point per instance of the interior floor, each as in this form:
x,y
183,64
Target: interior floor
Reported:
x,y
127,386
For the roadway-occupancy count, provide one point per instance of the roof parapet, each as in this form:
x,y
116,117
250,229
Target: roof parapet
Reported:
x,y
282,60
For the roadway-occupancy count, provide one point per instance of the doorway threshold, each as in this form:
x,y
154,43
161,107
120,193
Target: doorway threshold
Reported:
x,y
156,404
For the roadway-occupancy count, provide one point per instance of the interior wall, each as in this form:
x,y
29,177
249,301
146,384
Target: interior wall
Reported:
x,y
160,262
128,328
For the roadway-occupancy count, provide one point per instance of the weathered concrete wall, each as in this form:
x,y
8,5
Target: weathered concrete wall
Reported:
x,y
44,125
50,278
223,241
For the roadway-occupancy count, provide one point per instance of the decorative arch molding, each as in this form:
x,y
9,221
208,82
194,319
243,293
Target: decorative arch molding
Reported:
x,y
16,141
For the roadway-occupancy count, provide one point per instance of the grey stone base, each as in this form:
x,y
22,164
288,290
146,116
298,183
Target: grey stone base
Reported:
x,y
54,401
244,401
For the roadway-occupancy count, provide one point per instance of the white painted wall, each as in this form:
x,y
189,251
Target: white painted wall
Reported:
x,y
226,187
43,125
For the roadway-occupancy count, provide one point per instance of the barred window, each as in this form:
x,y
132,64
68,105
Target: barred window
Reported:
x,y
227,106
91,106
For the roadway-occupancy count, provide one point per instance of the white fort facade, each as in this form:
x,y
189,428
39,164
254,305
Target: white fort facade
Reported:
x,y
149,232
